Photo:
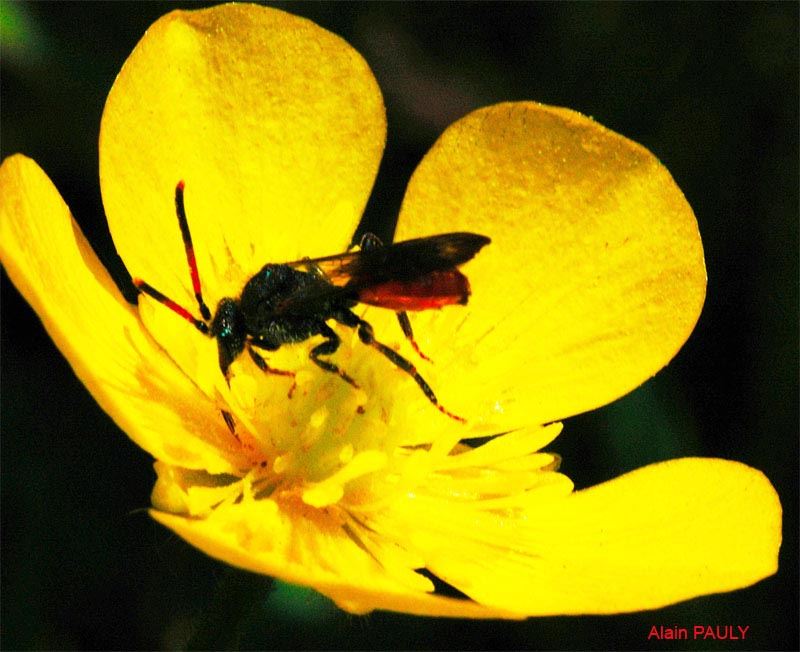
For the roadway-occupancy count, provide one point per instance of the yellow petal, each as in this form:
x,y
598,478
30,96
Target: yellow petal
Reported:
x,y
276,125
51,263
260,537
656,536
594,277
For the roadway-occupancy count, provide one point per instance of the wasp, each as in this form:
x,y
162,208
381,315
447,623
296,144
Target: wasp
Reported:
x,y
288,303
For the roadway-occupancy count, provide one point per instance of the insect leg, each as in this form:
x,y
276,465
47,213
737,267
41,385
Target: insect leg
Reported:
x,y
370,242
367,336
316,270
262,364
228,418
329,347
405,324
189,247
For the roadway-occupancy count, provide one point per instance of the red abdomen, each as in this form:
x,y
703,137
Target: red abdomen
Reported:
x,y
434,290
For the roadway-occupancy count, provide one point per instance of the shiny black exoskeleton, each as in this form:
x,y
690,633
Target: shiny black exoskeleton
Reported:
x,y
268,315
292,302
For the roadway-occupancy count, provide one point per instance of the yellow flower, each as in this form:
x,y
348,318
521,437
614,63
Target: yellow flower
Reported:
x,y
593,280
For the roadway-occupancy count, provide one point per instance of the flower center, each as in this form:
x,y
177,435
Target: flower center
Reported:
x,y
308,439
328,443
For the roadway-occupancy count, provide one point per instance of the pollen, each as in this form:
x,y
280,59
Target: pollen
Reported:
x,y
318,418
317,449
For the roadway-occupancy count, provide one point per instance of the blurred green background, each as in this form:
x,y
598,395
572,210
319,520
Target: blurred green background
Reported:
x,y
711,89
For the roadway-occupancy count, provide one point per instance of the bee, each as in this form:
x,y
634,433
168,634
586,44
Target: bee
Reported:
x,y
287,303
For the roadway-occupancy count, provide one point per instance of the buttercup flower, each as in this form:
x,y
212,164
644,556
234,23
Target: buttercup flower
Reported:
x,y
593,280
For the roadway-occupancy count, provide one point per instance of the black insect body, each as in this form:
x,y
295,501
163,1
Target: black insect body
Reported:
x,y
257,319
292,302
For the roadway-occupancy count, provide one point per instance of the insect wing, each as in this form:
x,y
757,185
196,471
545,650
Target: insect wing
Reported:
x,y
337,269
412,260
406,261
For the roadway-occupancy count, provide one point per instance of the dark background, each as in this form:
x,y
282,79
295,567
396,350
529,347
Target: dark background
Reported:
x,y
711,89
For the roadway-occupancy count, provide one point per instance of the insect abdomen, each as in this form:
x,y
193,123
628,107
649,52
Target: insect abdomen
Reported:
x,y
433,290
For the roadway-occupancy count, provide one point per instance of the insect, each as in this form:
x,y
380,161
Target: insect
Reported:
x,y
291,302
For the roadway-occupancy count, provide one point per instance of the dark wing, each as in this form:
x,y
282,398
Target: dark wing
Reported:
x,y
404,261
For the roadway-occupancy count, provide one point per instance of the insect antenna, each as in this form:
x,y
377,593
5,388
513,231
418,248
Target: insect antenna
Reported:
x,y
189,247
146,288
150,291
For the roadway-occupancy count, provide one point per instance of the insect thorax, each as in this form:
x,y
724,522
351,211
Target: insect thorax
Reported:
x,y
279,304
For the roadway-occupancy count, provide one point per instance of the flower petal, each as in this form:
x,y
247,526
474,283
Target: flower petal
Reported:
x,y
55,269
276,125
594,277
309,550
656,536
